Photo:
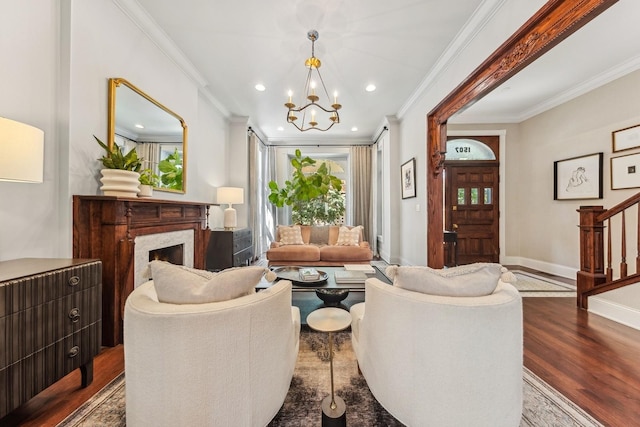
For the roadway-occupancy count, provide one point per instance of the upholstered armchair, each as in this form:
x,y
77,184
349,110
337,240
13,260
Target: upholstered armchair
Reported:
x,y
441,360
226,363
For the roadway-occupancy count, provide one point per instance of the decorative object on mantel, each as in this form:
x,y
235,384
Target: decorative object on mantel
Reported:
x,y
230,196
148,180
120,175
22,152
330,115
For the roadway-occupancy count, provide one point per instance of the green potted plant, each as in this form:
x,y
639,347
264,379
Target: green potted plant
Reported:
x,y
315,198
120,173
148,179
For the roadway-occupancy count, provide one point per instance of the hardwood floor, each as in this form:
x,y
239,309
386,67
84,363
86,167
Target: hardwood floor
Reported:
x,y
591,360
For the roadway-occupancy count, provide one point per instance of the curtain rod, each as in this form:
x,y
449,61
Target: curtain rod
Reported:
x,y
380,134
250,130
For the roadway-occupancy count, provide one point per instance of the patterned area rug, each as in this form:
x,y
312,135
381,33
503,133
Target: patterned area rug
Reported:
x,y
543,405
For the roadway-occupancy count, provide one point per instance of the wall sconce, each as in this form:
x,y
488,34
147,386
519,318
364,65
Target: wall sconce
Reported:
x,y
230,196
22,148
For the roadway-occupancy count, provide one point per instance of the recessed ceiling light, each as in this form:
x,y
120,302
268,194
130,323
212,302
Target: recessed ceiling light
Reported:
x,y
139,126
260,87
280,128
354,129
370,88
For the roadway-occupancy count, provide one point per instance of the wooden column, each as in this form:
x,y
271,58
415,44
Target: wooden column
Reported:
x,y
591,271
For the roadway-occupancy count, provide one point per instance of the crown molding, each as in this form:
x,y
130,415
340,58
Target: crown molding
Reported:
x,y
479,19
141,18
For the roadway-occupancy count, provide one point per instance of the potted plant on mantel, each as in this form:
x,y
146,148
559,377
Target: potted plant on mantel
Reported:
x,y
314,198
148,180
120,175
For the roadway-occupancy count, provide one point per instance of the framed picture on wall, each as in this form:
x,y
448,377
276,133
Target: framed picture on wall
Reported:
x,y
625,172
625,139
578,178
408,172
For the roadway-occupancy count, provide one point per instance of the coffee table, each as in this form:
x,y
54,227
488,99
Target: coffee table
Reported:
x,y
304,297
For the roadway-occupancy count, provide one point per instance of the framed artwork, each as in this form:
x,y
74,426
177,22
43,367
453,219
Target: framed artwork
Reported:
x,y
578,178
625,172
625,139
408,172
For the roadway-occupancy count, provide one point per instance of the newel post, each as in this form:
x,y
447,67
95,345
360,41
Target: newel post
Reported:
x,y
591,271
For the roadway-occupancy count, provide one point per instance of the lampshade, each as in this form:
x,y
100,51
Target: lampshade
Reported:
x,y
230,195
22,148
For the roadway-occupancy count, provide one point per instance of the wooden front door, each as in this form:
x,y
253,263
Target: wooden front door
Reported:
x,y
471,210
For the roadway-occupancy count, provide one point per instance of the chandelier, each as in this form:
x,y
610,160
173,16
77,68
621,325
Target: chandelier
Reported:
x,y
320,118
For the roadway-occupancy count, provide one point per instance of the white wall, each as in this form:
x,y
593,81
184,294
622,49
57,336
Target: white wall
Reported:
x,y
58,81
411,224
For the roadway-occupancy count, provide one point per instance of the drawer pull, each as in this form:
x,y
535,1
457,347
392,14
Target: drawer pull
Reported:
x,y
73,352
74,280
74,314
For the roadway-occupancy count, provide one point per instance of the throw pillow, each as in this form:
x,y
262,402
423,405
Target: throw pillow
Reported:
x,y
290,235
177,284
471,280
348,237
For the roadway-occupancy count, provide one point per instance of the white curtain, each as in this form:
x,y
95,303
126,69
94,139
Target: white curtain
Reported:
x,y
150,152
262,212
361,183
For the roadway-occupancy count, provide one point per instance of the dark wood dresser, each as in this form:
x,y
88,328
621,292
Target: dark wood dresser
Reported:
x,y
50,324
229,248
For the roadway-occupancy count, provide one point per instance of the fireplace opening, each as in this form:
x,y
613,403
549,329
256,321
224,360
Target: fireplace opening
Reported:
x,y
173,254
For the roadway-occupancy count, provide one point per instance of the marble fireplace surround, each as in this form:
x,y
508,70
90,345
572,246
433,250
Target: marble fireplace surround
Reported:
x,y
147,243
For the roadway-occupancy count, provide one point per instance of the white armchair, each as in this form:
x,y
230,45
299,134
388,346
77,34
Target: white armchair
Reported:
x,y
442,361
225,363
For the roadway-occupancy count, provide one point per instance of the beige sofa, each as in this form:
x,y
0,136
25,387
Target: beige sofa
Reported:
x,y
319,248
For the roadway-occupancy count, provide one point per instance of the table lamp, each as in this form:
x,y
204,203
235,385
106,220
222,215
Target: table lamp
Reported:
x,y
230,196
22,148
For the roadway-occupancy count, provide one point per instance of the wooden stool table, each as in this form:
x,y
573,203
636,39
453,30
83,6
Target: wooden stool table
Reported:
x,y
331,320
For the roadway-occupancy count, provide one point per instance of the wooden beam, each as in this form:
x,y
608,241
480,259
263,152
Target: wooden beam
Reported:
x,y
554,22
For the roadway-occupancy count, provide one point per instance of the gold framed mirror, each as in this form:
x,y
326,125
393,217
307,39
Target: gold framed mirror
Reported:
x,y
159,135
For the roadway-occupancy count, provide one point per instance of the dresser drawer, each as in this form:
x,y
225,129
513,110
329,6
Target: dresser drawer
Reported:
x,y
242,257
241,243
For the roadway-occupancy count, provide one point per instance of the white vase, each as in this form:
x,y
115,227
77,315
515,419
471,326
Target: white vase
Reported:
x,y
145,191
121,183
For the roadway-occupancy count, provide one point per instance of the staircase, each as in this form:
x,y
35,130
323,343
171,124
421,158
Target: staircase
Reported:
x,y
594,277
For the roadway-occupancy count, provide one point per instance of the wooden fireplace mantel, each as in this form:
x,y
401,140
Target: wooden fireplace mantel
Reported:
x,y
105,227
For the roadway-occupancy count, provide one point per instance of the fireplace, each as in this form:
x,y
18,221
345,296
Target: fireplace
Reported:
x,y
173,254
122,231
151,245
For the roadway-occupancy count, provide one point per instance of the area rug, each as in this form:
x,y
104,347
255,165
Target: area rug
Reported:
x,y
543,405
534,285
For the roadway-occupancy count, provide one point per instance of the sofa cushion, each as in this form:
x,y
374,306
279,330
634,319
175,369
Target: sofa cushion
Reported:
x,y
346,253
290,235
471,280
319,235
349,236
294,253
177,284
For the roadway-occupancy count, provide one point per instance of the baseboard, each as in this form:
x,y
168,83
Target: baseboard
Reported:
x,y
622,314
545,267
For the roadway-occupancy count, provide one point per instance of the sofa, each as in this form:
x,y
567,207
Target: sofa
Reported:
x,y
227,363
456,361
327,245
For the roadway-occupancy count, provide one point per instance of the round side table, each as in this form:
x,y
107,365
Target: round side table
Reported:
x,y
331,319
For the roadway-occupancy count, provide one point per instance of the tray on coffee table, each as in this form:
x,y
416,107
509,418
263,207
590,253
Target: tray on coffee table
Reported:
x,y
293,273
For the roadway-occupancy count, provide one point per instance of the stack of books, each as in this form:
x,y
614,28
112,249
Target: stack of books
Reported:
x,y
365,268
309,274
348,276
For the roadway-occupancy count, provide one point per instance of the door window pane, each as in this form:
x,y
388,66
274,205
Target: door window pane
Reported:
x,y
474,196
488,196
462,199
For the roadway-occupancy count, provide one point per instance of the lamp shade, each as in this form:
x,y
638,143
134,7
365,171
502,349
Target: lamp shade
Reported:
x,y
230,195
22,148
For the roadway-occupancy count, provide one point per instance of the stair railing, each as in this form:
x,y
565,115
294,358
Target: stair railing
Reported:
x,y
594,277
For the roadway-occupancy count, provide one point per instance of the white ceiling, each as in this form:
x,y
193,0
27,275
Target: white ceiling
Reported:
x,y
229,47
